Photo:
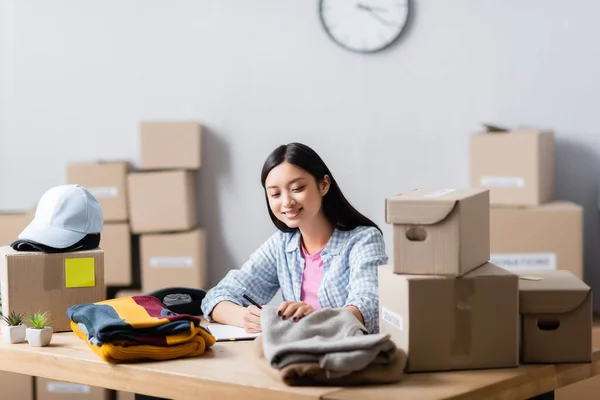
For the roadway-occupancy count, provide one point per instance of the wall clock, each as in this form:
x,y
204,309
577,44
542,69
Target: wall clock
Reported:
x,y
364,26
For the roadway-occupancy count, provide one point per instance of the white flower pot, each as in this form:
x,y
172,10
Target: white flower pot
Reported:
x,y
39,337
13,334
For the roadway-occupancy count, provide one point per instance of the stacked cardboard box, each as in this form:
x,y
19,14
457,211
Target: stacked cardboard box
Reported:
x,y
12,224
163,206
107,182
529,229
449,308
441,295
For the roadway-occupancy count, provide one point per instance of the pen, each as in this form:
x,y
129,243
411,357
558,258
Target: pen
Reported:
x,y
251,301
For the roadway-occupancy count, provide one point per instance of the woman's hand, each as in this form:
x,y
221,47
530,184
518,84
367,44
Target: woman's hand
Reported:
x,y
251,319
294,310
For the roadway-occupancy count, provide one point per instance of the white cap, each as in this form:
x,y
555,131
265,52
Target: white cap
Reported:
x,y
65,214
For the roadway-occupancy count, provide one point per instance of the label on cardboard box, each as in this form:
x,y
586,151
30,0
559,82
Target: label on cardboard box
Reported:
x,y
502,181
439,193
524,261
79,272
392,318
65,387
171,261
102,192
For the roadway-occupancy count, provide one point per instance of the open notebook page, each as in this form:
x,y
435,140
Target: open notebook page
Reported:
x,y
229,332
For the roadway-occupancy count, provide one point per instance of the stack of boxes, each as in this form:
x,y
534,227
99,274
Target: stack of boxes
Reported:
x,y
449,308
441,300
163,206
529,229
532,234
107,182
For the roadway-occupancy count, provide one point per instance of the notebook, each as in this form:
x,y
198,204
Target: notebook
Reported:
x,y
225,333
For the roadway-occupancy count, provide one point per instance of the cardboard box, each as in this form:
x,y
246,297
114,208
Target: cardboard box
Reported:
x,y
115,240
12,224
174,259
162,201
589,388
440,232
446,323
556,318
49,389
34,281
517,166
546,237
125,396
171,145
129,292
107,182
16,386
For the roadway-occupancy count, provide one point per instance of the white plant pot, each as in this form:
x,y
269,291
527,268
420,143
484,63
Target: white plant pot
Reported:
x,y
13,334
39,337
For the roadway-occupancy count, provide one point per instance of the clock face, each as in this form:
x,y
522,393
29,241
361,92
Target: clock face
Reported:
x,y
364,26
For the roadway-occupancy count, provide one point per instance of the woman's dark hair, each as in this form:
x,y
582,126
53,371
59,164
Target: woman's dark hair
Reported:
x,y
335,206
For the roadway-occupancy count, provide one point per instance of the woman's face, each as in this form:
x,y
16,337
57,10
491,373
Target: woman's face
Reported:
x,y
294,196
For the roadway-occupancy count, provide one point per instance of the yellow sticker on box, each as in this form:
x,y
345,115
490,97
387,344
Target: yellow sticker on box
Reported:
x,y
80,272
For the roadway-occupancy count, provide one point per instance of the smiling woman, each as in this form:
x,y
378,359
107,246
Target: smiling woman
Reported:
x,y
324,254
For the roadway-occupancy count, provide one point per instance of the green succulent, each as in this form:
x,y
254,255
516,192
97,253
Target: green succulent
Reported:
x,y
39,320
14,318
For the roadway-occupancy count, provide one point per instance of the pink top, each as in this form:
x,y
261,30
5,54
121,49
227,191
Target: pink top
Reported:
x,y
311,278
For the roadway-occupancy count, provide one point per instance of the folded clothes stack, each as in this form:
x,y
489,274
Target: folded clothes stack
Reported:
x,y
138,328
329,346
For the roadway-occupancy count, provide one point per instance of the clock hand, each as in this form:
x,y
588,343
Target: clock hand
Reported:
x,y
372,13
371,8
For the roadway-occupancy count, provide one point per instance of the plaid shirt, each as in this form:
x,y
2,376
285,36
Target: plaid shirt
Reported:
x,y
350,261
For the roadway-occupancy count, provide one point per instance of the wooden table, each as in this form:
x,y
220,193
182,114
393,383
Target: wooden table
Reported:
x,y
228,369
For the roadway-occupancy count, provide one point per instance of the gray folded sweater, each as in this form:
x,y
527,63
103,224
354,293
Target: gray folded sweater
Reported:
x,y
333,338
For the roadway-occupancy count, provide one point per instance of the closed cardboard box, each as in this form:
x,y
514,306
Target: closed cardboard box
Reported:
x,y
48,389
33,281
556,318
440,231
163,201
171,145
16,386
125,396
12,224
107,182
174,259
516,166
446,323
545,237
116,243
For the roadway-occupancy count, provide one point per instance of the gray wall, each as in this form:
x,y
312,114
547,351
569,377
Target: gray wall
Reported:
x,y
78,77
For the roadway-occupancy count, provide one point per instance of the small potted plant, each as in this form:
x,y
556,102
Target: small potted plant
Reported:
x,y
14,330
39,333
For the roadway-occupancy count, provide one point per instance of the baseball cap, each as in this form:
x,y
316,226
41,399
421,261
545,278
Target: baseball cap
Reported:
x,y
64,215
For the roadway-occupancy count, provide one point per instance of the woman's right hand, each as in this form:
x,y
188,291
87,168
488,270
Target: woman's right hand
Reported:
x,y
251,319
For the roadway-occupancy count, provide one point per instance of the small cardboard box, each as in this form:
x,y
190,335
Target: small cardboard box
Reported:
x,y
556,317
171,145
107,182
49,389
440,231
125,395
163,201
517,166
116,243
34,281
174,259
12,224
446,323
545,237
16,386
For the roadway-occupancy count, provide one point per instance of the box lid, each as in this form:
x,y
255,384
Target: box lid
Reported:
x,y
550,292
521,130
425,206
